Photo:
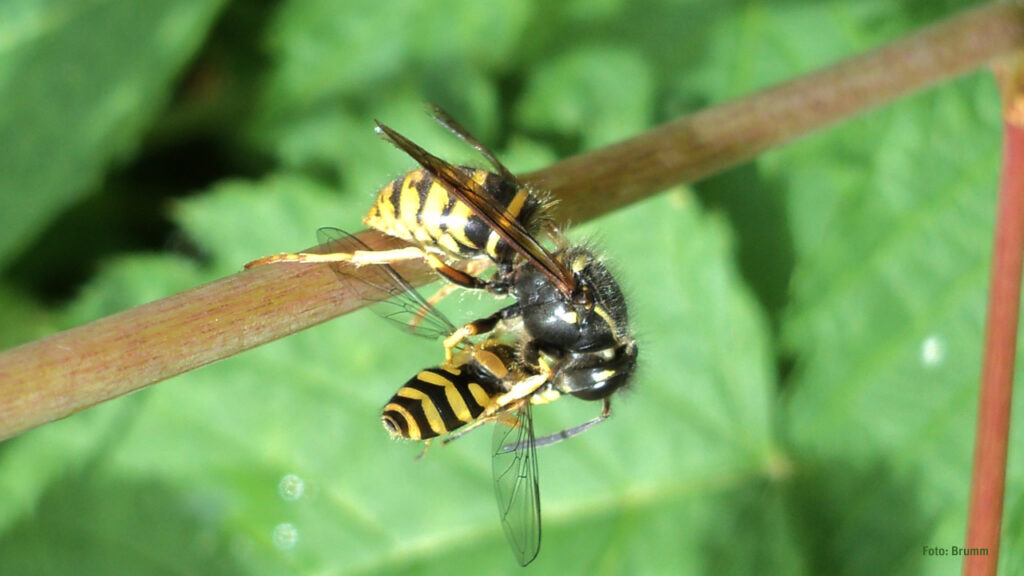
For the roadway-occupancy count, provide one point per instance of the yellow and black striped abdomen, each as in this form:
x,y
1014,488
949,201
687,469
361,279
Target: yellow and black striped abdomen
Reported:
x,y
418,209
439,400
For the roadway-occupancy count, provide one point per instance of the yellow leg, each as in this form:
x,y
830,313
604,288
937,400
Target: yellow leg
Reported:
x,y
365,257
478,326
426,445
441,294
545,397
357,258
474,268
519,390
456,338
467,429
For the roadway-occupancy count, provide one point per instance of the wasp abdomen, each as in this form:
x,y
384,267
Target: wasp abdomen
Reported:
x,y
419,209
437,401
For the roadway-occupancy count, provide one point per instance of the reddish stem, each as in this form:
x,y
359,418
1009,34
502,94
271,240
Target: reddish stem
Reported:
x,y
993,428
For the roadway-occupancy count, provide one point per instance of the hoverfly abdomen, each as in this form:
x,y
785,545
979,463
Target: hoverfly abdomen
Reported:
x,y
440,400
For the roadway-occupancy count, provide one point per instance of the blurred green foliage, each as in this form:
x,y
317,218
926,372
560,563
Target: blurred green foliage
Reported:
x,y
810,324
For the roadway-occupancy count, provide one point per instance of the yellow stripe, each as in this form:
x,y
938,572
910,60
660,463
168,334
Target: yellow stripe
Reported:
x,y
422,236
410,422
600,311
449,244
458,218
479,394
382,214
434,378
372,217
492,244
432,213
429,410
409,200
455,401
457,404
516,206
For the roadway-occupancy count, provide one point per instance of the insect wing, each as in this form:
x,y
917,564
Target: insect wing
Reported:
x,y
516,481
401,303
445,119
474,195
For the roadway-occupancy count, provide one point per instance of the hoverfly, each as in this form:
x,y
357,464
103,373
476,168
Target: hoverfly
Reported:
x,y
485,382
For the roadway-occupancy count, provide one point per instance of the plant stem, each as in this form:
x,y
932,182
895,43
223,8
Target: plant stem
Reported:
x,y
985,513
67,372
696,146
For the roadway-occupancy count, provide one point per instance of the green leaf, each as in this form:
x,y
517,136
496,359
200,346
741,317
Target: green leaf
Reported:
x,y
23,318
691,446
863,250
327,49
886,320
610,97
79,82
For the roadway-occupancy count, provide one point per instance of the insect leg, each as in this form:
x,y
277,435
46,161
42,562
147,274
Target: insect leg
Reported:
x,y
454,275
478,326
441,294
426,446
380,257
557,437
473,269
503,405
469,428
358,258
520,390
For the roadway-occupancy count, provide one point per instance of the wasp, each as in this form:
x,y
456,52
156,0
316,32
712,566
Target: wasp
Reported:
x,y
485,382
421,209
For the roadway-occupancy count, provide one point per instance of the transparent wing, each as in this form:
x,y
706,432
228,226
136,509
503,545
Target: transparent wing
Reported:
x,y
402,304
516,481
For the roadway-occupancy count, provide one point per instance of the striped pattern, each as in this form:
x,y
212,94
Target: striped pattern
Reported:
x,y
418,209
438,401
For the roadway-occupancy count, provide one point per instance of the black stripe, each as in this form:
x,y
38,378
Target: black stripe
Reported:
x,y
445,212
502,189
462,386
415,408
396,195
438,398
396,419
423,188
472,373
